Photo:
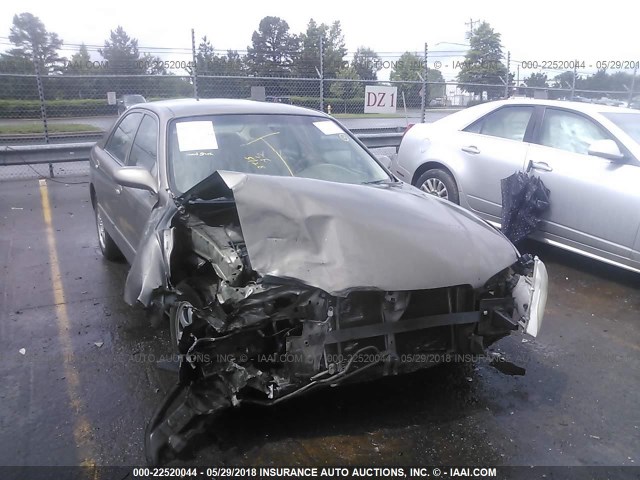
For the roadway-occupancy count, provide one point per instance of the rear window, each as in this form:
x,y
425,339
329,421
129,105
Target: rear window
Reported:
x,y
506,122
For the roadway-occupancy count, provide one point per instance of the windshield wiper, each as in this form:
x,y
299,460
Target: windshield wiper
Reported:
x,y
382,181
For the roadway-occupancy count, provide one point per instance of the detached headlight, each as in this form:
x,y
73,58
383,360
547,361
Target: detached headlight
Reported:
x,y
530,297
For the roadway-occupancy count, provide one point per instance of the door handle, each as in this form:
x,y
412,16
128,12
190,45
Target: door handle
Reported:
x,y
543,166
118,189
471,149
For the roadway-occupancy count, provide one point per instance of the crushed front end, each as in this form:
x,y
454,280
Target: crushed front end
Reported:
x,y
261,335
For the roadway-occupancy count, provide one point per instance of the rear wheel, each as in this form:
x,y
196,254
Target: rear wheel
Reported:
x,y
440,183
108,247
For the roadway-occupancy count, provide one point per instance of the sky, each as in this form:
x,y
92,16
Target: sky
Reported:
x,y
544,31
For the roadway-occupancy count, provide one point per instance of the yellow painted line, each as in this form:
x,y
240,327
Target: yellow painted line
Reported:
x,y
279,156
260,138
82,428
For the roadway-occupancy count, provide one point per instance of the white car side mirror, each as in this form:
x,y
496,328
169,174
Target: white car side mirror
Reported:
x,y
384,160
605,149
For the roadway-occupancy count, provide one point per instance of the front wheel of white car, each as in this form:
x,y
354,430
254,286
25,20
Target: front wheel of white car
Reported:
x,y
108,247
440,183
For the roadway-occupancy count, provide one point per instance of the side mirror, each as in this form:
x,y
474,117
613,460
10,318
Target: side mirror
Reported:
x,y
384,160
136,177
606,149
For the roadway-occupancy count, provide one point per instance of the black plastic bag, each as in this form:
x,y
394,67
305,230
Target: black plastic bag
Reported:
x,y
524,199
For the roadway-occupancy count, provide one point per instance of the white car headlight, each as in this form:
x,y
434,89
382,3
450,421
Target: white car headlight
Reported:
x,y
530,296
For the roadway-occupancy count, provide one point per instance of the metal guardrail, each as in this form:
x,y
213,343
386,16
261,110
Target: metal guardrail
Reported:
x,y
79,152
381,140
39,154
37,138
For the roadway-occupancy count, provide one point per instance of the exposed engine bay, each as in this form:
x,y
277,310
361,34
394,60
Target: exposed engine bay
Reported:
x,y
249,336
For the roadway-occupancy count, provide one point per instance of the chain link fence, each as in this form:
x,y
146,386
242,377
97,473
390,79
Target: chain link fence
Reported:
x,y
66,108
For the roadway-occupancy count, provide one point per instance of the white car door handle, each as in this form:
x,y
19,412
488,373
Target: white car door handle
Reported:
x,y
118,189
471,149
544,166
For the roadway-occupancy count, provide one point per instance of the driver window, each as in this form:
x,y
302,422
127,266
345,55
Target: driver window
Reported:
x,y
145,146
569,131
120,142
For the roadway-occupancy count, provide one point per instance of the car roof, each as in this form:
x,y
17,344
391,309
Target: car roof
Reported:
x,y
466,116
589,108
188,107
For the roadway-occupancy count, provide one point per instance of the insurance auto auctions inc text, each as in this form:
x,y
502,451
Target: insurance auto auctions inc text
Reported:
x,y
376,472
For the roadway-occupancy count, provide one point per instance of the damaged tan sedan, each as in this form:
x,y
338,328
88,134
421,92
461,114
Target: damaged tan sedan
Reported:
x,y
287,257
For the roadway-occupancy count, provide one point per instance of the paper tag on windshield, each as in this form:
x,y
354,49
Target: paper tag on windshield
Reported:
x,y
196,136
328,127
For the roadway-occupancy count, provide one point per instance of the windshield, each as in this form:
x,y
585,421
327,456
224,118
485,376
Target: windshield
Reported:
x,y
629,122
288,145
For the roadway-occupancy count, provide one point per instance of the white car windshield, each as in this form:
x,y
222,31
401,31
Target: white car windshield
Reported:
x,y
289,145
628,122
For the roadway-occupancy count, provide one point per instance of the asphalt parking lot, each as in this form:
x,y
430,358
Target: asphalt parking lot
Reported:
x,y
81,373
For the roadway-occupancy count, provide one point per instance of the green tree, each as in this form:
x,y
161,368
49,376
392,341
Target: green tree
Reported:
x,y
345,90
273,48
205,58
563,80
232,64
333,49
536,80
32,41
366,63
409,68
600,81
152,65
79,62
620,81
67,87
121,53
210,63
482,65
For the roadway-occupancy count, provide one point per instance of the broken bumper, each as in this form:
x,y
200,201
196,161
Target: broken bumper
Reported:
x,y
250,364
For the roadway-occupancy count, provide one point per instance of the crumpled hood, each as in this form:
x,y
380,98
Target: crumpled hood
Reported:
x,y
340,237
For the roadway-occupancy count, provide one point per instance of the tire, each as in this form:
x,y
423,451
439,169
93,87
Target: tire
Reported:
x,y
108,247
439,183
180,315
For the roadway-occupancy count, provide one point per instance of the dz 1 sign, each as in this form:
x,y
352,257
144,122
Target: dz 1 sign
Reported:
x,y
380,99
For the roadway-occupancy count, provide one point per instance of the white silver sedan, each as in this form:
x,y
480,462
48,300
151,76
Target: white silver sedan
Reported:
x,y
588,156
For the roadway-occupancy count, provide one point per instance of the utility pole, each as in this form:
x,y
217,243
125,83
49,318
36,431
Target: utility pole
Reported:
x,y
194,68
43,106
506,83
425,86
471,23
321,75
633,84
573,82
